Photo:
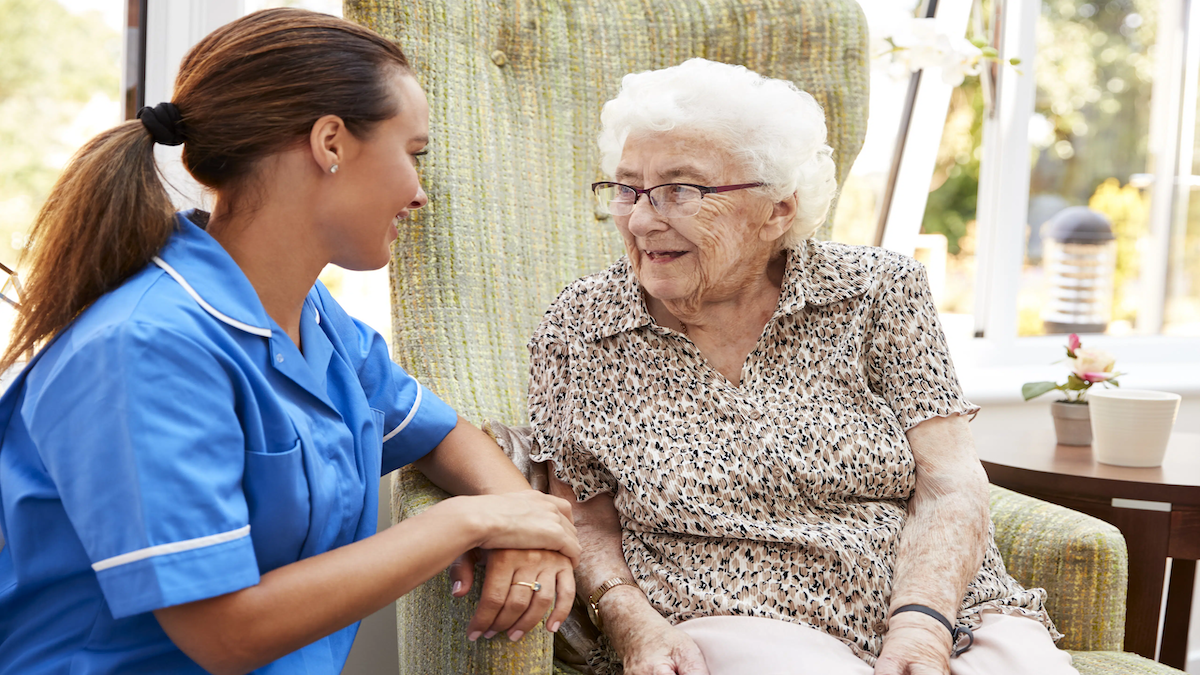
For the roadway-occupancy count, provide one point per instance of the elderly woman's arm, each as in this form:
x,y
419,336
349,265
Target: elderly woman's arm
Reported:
x,y
941,547
647,643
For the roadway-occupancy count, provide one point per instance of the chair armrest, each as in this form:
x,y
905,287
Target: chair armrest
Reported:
x,y
432,625
1081,561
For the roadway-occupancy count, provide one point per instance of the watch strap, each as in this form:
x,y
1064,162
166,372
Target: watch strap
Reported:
x,y
604,587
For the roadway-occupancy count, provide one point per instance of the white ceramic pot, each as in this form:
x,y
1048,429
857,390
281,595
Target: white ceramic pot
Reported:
x,y
1131,427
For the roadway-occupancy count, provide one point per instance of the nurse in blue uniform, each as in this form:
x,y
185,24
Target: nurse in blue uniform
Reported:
x,y
189,464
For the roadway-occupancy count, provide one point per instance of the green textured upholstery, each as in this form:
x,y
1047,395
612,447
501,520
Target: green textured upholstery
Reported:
x,y
1083,564
1080,561
515,90
1111,663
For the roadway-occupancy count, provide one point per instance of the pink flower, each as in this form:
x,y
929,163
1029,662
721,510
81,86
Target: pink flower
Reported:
x,y
1072,342
1095,377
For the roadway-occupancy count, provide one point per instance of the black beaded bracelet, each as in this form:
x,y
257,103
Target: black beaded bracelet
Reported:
x,y
956,632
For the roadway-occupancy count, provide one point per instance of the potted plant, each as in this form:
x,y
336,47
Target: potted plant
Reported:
x,y
1088,367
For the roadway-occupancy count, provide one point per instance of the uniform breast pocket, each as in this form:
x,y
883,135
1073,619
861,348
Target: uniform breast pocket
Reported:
x,y
277,495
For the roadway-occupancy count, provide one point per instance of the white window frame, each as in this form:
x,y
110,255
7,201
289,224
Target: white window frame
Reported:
x,y
994,363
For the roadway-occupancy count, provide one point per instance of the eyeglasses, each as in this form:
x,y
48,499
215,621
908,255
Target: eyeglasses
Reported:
x,y
673,200
12,286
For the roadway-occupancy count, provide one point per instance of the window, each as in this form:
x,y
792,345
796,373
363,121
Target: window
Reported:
x,y
1105,101
60,84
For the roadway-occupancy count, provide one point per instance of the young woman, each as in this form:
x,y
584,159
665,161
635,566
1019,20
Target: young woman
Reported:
x,y
190,461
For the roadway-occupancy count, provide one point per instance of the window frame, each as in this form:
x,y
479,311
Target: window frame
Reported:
x,y
996,361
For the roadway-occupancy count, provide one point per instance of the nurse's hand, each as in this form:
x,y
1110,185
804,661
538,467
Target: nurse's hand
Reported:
x,y
507,606
527,519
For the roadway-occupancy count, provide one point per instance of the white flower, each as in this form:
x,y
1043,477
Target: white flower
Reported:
x,y
961,60
1092,365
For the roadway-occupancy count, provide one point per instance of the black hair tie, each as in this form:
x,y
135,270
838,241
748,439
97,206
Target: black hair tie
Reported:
x,y
163,123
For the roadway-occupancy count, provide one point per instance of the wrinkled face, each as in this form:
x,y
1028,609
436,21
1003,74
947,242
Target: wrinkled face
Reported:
x,y
378,184
706,257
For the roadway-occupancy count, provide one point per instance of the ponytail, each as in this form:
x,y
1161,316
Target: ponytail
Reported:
x,y
106,217
251,88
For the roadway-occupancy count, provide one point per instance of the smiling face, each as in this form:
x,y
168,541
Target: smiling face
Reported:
x,y
708,257
377,184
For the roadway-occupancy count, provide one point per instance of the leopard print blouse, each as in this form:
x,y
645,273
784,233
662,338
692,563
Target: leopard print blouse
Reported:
x,y
781,498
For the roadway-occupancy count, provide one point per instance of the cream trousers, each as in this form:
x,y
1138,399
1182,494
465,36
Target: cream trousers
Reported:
x,y
742,645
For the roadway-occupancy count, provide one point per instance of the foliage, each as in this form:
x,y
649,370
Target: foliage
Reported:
x,y
52,64
1129,211
955,185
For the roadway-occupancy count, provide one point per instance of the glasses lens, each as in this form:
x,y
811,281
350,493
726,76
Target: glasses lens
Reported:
x,y
615,198
674,200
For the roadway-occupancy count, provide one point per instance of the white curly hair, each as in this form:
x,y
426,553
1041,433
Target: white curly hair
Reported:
x,y
771,125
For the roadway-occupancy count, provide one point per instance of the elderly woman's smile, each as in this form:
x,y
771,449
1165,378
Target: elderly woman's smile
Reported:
x,y
706,255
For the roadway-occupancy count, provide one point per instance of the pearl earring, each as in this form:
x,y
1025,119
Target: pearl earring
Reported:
x,y
333,169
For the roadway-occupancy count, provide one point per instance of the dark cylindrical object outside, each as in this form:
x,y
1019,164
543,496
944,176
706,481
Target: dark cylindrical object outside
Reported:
x,y
1080,260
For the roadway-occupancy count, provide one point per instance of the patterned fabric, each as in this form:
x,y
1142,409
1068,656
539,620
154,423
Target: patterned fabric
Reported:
x,y
1081,561
784,497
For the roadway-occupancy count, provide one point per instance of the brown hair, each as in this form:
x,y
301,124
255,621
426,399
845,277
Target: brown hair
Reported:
x,y
249,89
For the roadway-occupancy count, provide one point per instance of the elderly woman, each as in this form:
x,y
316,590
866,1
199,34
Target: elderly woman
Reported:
x,y
763,434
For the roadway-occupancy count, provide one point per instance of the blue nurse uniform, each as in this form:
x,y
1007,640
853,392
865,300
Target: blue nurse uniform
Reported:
x,y
172,445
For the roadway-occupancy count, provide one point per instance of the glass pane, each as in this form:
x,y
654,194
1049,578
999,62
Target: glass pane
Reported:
x,y
858,202
1088,139
60,85
946,245
1181,314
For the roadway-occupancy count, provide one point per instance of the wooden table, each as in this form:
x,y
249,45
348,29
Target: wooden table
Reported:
x,y
1158,511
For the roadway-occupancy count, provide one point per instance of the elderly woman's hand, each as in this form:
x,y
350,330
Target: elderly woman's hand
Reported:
x,y
648,643
507,605
915,645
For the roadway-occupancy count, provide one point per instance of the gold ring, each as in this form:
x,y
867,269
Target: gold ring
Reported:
x,y
535,586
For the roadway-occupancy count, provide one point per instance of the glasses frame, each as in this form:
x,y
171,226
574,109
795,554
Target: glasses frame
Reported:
x,y
705,190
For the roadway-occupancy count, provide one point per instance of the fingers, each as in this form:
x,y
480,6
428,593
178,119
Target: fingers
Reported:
x,y
462,574
495,592
564,597
539,603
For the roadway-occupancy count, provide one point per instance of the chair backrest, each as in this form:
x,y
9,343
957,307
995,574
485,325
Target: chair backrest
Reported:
x,y
515,90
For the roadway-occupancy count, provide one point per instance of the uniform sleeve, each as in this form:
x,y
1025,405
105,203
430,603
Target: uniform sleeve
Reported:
x,y
138,430
415,420
550,412
908,362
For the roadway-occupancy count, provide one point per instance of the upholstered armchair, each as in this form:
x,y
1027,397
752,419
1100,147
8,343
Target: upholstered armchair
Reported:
x,y
515,90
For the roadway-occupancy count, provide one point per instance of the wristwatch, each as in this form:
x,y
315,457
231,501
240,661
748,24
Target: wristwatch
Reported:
x,y
594,599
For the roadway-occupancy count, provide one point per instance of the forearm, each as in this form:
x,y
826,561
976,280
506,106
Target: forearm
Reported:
x,y
622,608
299,603
945,537
468,462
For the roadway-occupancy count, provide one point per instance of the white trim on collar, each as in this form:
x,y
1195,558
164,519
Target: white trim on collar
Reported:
x,y
174,547
253,330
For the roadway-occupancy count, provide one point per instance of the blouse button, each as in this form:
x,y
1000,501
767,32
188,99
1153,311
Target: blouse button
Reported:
x,y
755,414
778,471
279,358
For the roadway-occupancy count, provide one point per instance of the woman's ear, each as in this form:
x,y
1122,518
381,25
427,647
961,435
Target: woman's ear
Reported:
x,y
783,215
328,140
